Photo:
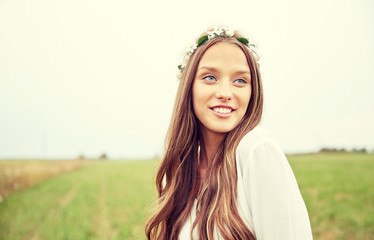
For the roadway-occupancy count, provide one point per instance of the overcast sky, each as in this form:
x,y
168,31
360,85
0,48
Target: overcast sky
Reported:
x,y
87,77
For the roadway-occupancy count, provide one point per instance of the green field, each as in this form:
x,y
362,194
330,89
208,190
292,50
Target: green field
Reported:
x,y
338,189
109,200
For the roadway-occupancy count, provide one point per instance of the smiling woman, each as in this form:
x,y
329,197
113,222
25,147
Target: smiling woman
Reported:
x,y
222,176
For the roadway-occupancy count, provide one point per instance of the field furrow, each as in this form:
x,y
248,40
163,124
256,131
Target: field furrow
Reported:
x,y
101,224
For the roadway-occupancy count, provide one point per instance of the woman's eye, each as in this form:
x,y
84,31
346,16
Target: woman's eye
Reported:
x,y
240,81
209,78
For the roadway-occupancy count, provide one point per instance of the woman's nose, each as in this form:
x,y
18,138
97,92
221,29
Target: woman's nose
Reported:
x,y
224,92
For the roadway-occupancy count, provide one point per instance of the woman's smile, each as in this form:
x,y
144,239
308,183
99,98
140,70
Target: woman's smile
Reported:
x,y
223,111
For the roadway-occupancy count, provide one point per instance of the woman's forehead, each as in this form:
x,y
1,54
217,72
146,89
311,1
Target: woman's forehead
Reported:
x,y
223,55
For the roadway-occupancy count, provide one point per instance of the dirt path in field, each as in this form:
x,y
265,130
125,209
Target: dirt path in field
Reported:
x,y
62,202
66,199
101,224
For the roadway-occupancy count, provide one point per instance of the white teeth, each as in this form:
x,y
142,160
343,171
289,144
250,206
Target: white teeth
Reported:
x,y
222,110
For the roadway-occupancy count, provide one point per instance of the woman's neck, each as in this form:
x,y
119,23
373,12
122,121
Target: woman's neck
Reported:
x,y
208,151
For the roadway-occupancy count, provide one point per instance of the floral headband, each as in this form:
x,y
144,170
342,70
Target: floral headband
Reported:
x,y
223,32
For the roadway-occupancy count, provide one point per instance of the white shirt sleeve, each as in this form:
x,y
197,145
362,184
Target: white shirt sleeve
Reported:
x,y
271,190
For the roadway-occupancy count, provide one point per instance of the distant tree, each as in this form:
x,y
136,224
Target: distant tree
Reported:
x,y
103,156
358,150
343,150
81,157
322,150
326,149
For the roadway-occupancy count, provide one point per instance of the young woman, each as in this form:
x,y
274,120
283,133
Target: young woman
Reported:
x,y
222,176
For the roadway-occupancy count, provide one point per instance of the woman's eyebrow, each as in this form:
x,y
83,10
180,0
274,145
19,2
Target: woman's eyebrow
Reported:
x,y
212,69
243,72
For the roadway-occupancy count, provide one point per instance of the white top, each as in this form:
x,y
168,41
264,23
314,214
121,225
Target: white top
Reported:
x,y
269,199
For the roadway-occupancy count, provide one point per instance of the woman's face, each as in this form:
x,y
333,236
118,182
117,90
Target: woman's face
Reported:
x,y
222,88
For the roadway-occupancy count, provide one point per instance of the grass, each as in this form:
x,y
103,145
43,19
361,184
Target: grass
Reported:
x,y
103,200
338,191
108,200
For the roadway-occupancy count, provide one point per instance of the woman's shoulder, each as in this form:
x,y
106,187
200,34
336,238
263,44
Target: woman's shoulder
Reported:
x,y
264,174
258,141
257,136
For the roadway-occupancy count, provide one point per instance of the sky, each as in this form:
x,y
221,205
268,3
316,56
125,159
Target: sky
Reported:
x,y
92,77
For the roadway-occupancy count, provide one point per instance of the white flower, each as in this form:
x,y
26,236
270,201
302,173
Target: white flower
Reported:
x,y
211,34
225,30
188,51
218,30
183,65
192,48
229,32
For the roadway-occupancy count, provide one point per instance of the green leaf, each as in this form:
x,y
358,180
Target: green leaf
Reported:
x,y
243,40
180,67
202,40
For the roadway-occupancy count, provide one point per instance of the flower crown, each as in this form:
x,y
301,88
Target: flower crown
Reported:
x,y
223,32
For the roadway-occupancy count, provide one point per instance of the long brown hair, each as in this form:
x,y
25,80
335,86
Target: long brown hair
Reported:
x,y
177,177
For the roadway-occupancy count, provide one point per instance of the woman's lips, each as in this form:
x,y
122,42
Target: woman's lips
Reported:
x,y
222,111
